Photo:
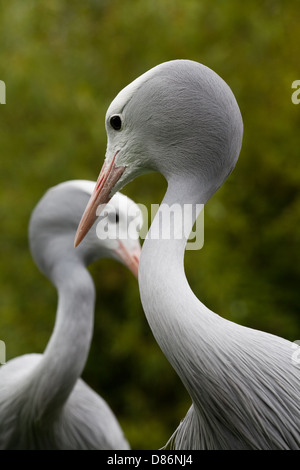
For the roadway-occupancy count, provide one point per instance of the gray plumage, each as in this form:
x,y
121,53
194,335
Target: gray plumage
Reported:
x,y
43,403
181,119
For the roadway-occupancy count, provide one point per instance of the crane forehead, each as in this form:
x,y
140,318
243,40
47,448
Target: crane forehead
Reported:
x,y
125,95
178,71
83,185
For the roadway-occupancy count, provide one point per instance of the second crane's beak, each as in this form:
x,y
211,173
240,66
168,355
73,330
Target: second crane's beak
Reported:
x,y
130,257
109,175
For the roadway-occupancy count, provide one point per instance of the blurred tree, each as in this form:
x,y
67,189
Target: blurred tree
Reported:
x,y
62,64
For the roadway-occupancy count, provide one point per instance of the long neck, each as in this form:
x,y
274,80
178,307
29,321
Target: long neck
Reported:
x,y
63,361
220,363
181,324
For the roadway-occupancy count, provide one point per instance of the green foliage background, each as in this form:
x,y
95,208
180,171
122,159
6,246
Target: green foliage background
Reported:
x,y
63,62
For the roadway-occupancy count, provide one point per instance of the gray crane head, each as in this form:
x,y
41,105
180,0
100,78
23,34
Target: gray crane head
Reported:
x,y
179,118
54,221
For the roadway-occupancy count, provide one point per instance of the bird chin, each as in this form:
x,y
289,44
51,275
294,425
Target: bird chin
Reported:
x,y
131,172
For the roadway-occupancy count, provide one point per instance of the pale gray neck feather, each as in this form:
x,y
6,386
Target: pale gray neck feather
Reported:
x,y
54,378
219,362
165,292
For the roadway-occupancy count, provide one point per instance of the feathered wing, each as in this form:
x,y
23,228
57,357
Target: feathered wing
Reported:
x,y
83,408
84,422
245,392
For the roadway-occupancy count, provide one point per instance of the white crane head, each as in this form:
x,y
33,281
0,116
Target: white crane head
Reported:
x,y
55,218
179,118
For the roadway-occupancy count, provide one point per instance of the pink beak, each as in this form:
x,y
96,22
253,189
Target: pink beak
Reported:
x,y
106,181
130,258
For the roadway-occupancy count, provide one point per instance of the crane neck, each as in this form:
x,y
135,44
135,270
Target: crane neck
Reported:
x,y
165,243
66,353
173,311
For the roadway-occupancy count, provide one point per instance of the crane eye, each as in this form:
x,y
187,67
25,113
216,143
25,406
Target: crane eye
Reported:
x,y
116,122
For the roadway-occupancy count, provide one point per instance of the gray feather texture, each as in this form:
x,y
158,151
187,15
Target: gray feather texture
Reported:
x,y
43,402
181,119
